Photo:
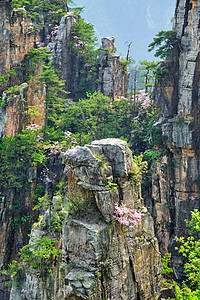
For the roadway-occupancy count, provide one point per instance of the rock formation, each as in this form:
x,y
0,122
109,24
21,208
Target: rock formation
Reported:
x,y
101,258
17,38
113,77
177,94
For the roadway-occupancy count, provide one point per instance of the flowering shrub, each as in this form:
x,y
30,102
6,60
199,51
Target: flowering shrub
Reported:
x,y
68,102
54,30
125,215
142,99
33,127
193,198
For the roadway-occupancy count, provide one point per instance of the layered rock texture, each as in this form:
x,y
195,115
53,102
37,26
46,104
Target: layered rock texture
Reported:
x,y
101,258
177,94
17,38
112,78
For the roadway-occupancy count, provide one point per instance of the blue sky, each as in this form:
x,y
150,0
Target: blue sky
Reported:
x,y
137,21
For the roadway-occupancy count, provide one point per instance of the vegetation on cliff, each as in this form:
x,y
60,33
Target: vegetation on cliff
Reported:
x,y
31,173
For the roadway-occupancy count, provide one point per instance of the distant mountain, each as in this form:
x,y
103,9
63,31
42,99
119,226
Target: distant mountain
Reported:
x,y
129,20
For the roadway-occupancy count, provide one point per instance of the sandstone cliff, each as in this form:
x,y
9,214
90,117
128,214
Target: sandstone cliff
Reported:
x,y
101,258
111,79
177,94
18,35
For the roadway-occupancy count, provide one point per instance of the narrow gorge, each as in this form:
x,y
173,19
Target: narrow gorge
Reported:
x,y
82,214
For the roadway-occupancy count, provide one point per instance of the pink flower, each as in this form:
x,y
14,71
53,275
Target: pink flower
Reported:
x,y
164,160
163,179
66,169
41,44
32,127
194,198
48,180
87,65
125,215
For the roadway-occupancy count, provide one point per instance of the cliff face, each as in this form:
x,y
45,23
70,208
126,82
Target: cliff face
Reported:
x,y
101,258
177,94
111,78
17,37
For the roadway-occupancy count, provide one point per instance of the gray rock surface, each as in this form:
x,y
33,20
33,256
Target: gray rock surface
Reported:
x,y
177,94
101,258
113,77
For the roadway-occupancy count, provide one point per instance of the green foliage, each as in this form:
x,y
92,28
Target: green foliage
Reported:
x,y
147,73
56,208
33,61
185,293
100,117
76,203
165,41
4,78
55,93
111,185
43,8
126,63
86,34
166,259
190,248
139,168
84,45
14,269
39,254
17,154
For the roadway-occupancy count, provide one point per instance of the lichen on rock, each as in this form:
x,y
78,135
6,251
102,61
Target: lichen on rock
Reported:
x,y
101,258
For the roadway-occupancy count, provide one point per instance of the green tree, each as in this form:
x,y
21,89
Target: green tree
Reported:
x,y
98,117
147,73
190,248
165,42
47,8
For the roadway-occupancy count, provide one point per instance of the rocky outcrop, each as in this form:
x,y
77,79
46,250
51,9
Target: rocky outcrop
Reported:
x,y
17,37
101,258
113,76
67,62
177,94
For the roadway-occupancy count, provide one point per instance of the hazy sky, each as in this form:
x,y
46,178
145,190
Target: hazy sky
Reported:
x,y
129,20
